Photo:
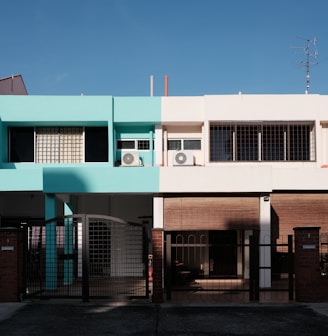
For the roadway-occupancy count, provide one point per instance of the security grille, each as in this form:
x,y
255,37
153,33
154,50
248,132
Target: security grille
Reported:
x,y
262,142
59,145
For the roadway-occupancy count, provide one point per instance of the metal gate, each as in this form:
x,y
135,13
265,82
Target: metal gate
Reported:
x,y
192,275
86,256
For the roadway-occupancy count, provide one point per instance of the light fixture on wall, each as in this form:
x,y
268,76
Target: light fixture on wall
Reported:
x,y
266,198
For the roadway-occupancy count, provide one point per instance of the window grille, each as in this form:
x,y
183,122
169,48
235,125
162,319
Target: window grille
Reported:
x,y
143,144
262,142
59,145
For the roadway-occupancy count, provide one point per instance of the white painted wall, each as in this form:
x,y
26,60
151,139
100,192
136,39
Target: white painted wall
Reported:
x,y
216,179
242,178
266,107
187,110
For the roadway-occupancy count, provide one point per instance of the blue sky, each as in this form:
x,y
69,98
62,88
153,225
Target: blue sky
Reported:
x,y
112,47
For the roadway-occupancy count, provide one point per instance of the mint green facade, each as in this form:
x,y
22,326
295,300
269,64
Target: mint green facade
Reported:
x,y
125,118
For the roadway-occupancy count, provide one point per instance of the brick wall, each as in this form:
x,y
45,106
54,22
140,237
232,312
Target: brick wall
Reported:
x,y
157,240
11,265
310,285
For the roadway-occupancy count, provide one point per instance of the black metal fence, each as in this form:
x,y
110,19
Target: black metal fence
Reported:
x,y
324,254
86,256
200,270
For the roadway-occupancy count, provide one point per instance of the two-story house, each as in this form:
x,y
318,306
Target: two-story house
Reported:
x,y
203,174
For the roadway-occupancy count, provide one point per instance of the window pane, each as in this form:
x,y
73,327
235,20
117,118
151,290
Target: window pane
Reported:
x,y
71,144
143,144
273,143
174,144
221,143
299,142
191,144
247,143
47,145
96,144
21,144
125,144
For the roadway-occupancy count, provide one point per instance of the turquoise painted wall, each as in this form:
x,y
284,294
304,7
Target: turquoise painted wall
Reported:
x,y
101,180
127,117
20,180
58,110
141,110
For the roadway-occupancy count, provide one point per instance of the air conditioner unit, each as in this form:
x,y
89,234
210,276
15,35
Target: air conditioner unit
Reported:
x,y
183,158
130,159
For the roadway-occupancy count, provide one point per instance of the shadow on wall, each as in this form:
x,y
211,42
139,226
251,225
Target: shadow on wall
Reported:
x,y
64,180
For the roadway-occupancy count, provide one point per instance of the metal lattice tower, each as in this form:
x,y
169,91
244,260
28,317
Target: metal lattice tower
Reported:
x,y
311,54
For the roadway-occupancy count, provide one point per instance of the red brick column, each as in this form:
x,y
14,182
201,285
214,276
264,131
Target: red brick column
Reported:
x,y
310,285
157,240
11,265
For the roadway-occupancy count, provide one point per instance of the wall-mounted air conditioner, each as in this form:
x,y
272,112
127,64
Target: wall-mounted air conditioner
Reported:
x,y
130,159
183,158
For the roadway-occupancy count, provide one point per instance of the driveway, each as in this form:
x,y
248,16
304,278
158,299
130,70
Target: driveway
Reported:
x,y
97,319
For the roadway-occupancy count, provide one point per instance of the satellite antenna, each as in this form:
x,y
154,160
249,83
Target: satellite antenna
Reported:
x,y
311,53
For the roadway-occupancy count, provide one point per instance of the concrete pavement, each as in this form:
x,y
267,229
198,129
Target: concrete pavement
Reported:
x,y
7,309
102,318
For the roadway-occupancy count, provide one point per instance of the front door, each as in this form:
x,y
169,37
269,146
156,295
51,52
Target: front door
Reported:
x,y
223,253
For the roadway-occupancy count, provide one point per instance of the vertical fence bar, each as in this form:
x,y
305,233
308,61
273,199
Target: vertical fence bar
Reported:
x,y
290,269
145,252
85,259
168,266
254,278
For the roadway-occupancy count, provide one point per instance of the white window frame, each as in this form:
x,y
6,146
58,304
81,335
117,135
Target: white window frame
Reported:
x,y
136,146
182,143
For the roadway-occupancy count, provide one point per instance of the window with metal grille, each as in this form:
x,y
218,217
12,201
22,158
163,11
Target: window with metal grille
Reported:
x,y
59,145
262,142
143,144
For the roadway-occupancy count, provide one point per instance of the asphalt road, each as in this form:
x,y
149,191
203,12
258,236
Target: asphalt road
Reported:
x,y
97,319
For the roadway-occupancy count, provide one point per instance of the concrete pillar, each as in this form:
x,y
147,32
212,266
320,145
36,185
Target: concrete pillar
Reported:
x,y
51,242
151,148
158,141
158,249
158,213
265,239
165,150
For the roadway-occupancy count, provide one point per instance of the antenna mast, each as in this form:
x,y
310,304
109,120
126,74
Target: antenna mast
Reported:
x,y
310,53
